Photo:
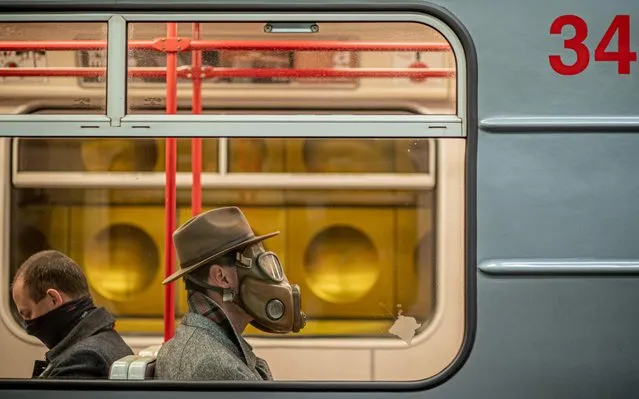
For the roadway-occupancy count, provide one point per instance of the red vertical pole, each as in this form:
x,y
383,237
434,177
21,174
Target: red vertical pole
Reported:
x,y
170,189
196,142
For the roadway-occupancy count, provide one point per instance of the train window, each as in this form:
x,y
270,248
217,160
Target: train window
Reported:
x,y
409,215
401,64
41,57
372,262
373,223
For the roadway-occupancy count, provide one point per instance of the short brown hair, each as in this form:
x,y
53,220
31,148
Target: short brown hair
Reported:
x,y
52,269
202,273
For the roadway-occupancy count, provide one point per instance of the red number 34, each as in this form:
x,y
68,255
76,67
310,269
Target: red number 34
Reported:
x,y
620,26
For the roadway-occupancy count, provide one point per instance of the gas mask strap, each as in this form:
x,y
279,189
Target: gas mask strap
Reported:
x,y
244,261
228,295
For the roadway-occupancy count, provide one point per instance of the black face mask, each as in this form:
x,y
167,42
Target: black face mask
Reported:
x,y
52,327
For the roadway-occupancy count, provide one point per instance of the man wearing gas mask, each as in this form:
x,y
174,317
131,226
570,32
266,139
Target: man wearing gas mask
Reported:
x,y
52,295
231,281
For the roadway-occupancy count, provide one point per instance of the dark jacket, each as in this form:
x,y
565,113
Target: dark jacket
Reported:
x,y
202,350
88,351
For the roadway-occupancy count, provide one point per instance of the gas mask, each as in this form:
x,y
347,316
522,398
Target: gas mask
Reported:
x,y
264,292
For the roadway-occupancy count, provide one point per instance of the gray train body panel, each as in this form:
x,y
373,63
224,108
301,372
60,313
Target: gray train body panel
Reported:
x,y
557,195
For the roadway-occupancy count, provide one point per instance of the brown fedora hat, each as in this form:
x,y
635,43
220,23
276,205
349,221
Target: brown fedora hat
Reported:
x,y
210,235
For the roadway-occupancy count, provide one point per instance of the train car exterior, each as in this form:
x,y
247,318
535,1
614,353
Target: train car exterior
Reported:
x,y
525,208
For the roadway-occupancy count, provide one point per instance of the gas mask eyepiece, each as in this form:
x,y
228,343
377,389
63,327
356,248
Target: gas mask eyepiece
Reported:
x,y
266,261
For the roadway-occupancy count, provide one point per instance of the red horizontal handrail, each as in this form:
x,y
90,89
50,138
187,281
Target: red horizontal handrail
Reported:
x,y
328,73
188,45
66,45
284,45
211,72
80,72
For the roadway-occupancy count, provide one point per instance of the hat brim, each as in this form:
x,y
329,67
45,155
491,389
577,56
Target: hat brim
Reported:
x,y
189,269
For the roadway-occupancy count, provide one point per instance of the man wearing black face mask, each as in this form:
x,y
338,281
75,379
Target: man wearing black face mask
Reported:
x,y
52,295
231,281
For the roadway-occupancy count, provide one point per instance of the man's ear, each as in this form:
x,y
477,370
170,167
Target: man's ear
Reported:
x,y
54,297
219,276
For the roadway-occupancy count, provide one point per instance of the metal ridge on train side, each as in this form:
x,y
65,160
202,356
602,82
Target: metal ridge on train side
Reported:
x,y
568,267
576,124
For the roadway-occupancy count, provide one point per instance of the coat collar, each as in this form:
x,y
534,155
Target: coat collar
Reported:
x,y
207,314
92,322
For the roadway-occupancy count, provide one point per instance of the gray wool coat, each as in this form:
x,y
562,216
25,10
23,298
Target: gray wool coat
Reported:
x,y
202,350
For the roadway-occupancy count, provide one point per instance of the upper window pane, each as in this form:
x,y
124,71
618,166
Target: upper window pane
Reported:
x,y
106,154
243,155
403,65
39,64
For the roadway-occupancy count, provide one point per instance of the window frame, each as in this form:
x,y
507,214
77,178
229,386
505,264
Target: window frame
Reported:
x,y
117,124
